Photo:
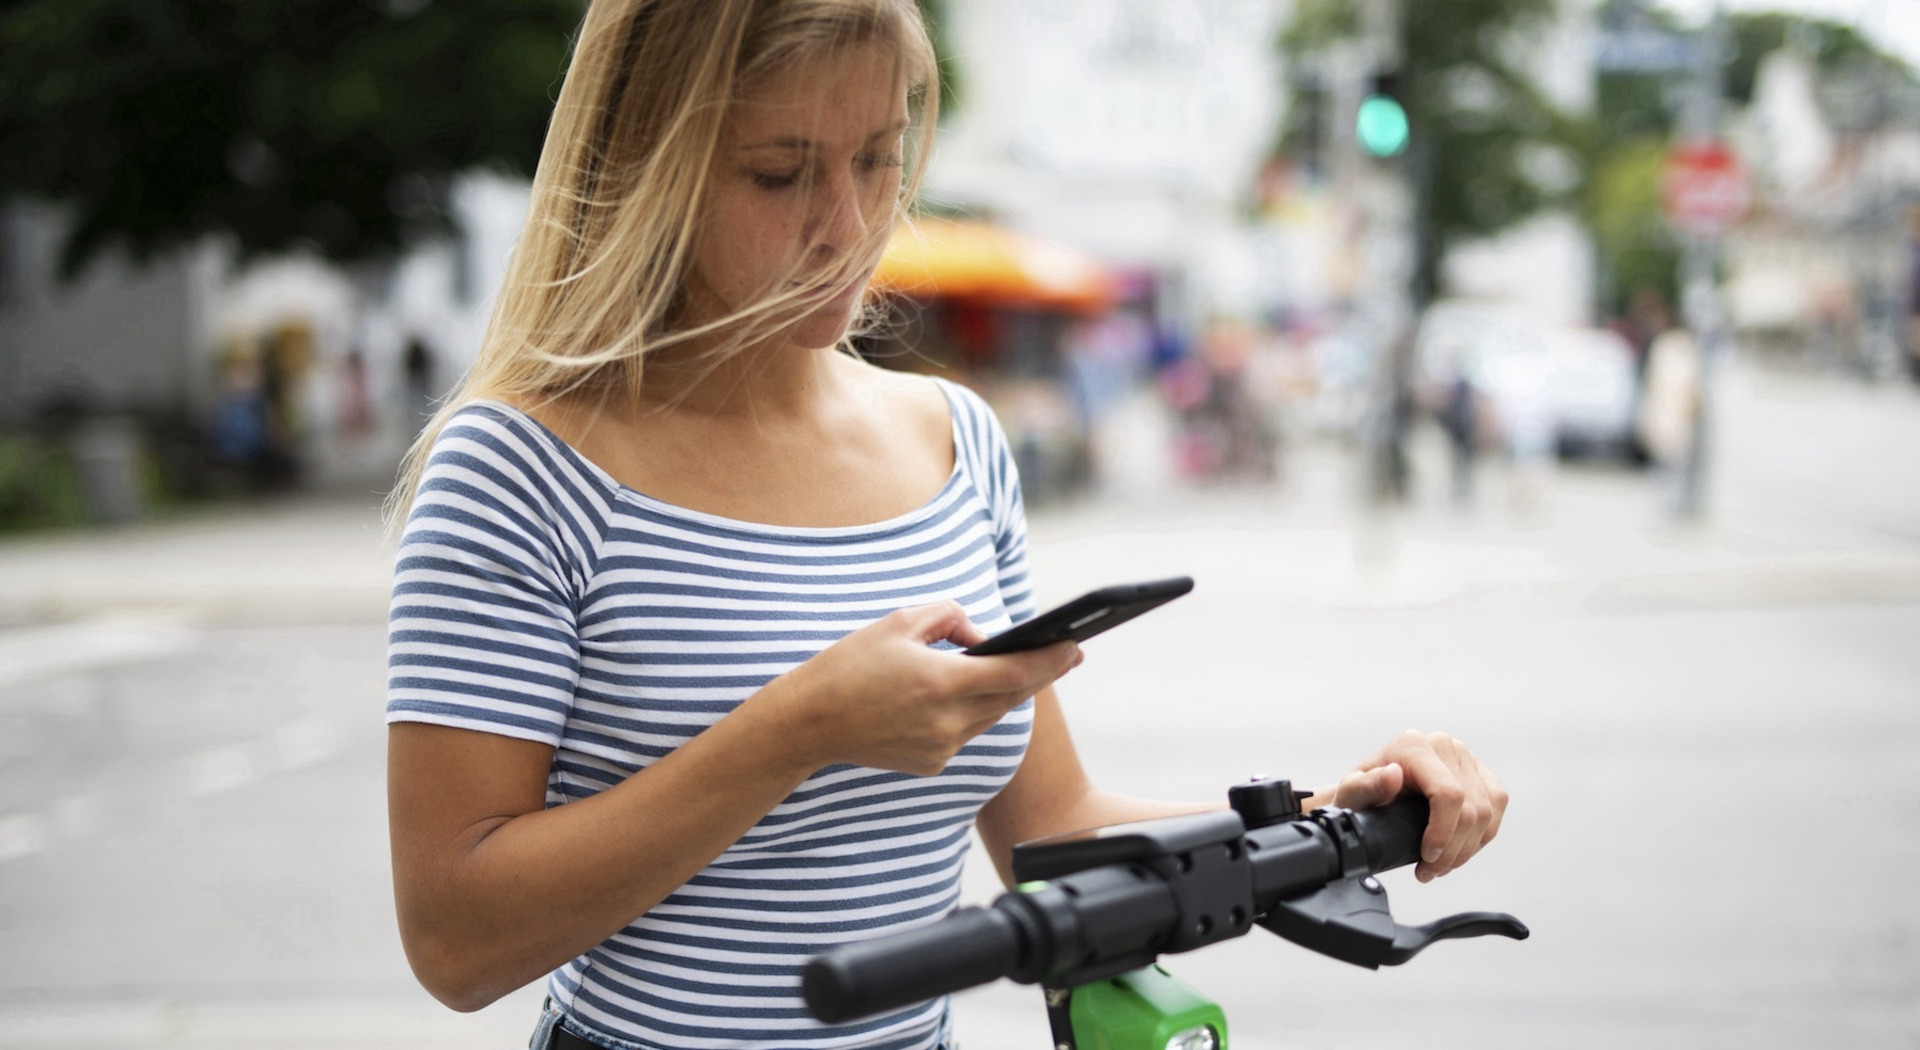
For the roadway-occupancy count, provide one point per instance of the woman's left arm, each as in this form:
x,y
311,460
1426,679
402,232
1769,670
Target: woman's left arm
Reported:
x,y
1052,794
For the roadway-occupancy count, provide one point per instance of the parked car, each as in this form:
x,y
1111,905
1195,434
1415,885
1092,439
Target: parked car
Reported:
x,y
1542,389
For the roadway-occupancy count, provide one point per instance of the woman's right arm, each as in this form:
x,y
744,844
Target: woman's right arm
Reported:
x,y
494,890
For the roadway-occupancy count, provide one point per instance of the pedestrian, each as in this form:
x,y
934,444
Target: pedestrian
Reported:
x,y
417,380
673,699
1911,326
1665,421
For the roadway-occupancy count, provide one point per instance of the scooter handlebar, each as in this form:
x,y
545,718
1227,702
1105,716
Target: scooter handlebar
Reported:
x,y
1119,915
972,946
1391,833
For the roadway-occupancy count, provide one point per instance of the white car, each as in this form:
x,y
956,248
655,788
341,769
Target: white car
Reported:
x,y
1552,389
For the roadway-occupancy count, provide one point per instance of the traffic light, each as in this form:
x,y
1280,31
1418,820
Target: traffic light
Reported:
x,y
1381,125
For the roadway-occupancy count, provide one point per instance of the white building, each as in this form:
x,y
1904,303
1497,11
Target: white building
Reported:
x,y
1131,129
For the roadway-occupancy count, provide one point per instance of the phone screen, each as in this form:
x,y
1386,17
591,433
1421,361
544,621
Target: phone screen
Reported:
x,y
1086,616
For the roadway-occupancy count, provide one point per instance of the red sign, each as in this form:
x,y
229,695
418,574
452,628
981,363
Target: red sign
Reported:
x,y
1705,188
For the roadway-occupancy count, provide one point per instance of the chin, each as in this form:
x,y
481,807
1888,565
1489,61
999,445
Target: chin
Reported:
x,y
822,329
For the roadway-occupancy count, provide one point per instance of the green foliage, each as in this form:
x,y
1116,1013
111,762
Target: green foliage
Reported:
x,y
935,14
39,487
1315,24
1622,209
336,124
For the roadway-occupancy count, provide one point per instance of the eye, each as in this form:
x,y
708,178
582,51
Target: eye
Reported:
x,y
776,180
880,161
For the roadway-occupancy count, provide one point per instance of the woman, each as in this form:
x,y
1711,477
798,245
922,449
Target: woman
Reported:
x,y
673,700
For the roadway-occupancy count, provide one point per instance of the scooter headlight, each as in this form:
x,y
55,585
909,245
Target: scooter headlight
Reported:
x,y
1199,1037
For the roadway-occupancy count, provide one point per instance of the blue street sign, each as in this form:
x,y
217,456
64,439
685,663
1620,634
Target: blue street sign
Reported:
x,y
1646,51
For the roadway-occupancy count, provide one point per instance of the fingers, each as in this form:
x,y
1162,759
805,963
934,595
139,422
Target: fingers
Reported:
x,y
1466,801
1017,676
1469,809
892,700
1031,669
941,621
1463,807
1496,797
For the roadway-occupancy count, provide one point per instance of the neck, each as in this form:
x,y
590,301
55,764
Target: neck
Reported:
x,y
771,379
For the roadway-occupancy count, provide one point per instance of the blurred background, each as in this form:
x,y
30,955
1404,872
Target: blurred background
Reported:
x,y
1547,372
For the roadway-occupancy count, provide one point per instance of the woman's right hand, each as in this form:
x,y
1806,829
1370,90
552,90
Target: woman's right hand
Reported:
x,y
883,697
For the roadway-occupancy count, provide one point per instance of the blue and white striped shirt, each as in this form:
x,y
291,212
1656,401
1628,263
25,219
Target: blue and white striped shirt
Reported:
x,y
536,597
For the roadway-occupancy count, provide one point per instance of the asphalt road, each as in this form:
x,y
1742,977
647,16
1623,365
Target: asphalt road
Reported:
x,y
1712,737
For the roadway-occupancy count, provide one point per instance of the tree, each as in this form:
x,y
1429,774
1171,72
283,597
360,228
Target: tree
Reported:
x,y
1624,156
1487,148
332,124
935,14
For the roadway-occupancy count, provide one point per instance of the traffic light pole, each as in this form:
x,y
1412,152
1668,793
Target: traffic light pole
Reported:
x,y
1378,132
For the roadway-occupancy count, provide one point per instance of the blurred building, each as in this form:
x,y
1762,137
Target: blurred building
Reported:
x,y
1825,265
1131,129
227,374
122,337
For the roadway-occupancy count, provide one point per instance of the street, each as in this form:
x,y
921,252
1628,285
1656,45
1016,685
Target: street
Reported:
x,y
1711,734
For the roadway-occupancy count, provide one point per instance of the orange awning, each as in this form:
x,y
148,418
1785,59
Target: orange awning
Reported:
x,y
948,259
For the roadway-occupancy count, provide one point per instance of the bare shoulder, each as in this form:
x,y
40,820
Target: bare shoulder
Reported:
x,y
569,416
913,403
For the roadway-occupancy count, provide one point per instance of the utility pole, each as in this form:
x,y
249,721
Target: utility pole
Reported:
x,y
1699,288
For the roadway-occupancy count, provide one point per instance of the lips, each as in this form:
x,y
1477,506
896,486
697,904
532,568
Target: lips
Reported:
x,y
831,290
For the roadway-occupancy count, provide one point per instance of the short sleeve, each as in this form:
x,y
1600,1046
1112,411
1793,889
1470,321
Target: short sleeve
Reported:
x,y
482,629
983,443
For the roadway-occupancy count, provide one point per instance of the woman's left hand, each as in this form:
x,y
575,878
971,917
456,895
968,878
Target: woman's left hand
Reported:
x,y
1466,799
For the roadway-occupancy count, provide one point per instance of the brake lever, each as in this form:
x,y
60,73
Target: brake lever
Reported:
x,y
1349,919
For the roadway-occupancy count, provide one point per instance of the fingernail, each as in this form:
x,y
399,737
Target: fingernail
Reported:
x,y
1432,854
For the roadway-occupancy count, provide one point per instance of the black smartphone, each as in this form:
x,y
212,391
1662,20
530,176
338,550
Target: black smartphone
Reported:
x,y
1085,616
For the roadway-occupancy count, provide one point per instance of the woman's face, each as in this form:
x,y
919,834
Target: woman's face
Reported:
x,y
802,194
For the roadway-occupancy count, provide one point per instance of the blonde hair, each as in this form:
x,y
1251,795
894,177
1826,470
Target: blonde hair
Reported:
x,y
598,279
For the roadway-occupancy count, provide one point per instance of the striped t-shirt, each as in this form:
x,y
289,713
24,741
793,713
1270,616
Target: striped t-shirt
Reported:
x,y
536,597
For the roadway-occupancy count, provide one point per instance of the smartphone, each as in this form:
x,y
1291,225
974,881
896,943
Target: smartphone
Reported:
x,y
1085,616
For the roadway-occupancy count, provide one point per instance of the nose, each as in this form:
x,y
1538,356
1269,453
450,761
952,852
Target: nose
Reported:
x,y
840,220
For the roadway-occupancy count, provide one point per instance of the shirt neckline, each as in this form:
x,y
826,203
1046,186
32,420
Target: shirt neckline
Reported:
x,y
629,494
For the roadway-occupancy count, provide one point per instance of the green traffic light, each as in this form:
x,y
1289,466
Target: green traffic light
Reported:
x,y
1381,126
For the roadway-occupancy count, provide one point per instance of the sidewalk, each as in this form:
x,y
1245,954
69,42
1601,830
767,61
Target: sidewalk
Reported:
x,y
297,560
1594,539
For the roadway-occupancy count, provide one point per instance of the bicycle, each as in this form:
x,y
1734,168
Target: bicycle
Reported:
x,y
1095,909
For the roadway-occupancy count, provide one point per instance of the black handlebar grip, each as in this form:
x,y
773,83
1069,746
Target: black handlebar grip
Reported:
x,y
1392,832
970,947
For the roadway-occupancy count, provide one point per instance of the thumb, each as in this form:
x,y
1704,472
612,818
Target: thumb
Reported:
x,y
1367,788
947,622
